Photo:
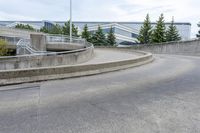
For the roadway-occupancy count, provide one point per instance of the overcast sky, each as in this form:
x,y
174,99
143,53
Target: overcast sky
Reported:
x,y
102,10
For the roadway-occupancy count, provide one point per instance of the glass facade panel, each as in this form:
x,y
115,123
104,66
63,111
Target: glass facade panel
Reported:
x,y
134,35
123,32
48,25
106,30
122,42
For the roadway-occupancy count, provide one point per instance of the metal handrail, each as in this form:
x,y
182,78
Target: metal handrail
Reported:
x,y
89,46
64,39
73,37
26,45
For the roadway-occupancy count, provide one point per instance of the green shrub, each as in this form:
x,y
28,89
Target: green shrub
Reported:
x,y
3,48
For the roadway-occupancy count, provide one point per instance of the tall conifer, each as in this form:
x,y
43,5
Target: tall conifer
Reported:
x,y
159,34
172,33
145,31
111,39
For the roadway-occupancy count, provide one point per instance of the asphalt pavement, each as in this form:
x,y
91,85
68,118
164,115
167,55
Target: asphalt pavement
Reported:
x,y
161,97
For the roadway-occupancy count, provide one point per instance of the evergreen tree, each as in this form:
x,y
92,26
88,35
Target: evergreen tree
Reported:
x,y
172,33
25,27
66,29
57,29
159,34
198,35
145,31
86,33
44,29
99,38
111,39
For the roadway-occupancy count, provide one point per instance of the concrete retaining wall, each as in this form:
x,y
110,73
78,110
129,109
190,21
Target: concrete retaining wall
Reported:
x,y
57,59
49,73
38,41
183,48
63,46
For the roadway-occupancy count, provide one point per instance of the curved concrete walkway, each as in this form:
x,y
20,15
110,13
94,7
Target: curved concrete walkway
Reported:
x,y
111,55
106,60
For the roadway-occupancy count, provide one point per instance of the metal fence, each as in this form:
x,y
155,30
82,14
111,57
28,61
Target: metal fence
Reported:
x,y
65,39
10,40
24,47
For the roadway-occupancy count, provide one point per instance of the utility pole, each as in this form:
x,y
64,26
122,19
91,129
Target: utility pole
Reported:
x,y
70,21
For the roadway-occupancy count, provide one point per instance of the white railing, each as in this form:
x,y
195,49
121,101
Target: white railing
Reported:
x,y
25,45
65,39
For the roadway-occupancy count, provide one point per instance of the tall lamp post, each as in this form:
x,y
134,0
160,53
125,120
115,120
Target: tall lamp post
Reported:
x,y
70,21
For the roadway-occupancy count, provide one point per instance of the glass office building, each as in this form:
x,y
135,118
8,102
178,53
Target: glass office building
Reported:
x,y
183,28
48,25
124,35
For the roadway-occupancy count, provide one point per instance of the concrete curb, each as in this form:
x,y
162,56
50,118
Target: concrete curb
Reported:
x,y
61,72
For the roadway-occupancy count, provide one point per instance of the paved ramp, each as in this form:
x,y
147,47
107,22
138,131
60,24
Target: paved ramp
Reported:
x,y
111,55
159,97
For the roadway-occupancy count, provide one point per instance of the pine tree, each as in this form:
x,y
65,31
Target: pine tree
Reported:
x,y
198,35
66,29
145,31
86,34
111,39
159,34
57,29
44,29
25,27
172,33
99,38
